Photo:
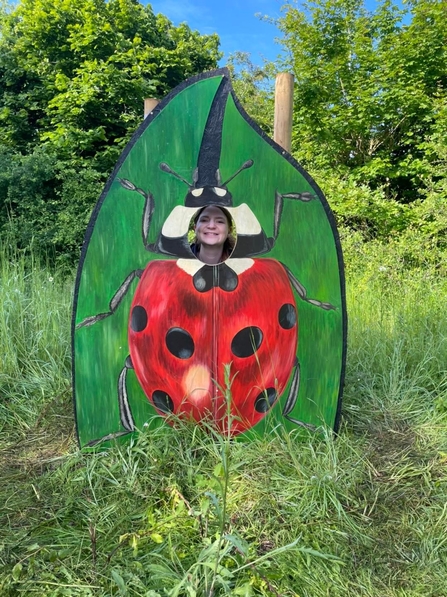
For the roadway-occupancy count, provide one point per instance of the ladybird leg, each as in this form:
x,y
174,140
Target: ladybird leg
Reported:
x,y
294,388
279,204
293,396
115,301
148,212
302,293
125,412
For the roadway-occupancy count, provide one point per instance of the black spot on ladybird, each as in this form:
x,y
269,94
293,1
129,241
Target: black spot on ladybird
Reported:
x,y
163,402
265,400
138,319
287,316
180,343
228,278
246,342
203,279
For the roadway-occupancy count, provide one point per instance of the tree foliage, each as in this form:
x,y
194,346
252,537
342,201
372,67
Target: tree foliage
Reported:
x,y
73,77
368,87
252,85
369,119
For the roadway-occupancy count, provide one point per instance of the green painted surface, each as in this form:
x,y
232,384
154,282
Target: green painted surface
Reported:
x,y
306,244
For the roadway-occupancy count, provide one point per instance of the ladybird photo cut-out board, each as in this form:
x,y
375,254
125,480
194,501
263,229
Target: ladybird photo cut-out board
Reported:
x,y
254,343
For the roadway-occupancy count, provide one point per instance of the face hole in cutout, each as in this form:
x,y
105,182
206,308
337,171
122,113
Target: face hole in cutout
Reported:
x,y
230,242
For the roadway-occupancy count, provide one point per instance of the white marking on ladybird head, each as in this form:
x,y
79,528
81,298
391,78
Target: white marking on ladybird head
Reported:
x,y
220,192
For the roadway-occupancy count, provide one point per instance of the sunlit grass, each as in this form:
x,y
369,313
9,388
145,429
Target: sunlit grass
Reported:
x,y
35,305
185,512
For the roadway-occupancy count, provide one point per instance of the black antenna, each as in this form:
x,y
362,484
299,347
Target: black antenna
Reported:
x,y
245,165
164,166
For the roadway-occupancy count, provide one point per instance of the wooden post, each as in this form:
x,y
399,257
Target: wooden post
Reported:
x,y
282,127
149,105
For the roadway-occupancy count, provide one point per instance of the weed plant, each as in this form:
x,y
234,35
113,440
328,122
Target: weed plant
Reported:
x,y
181,511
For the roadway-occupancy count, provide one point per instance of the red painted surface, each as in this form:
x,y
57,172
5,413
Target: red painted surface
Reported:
x,y
196,384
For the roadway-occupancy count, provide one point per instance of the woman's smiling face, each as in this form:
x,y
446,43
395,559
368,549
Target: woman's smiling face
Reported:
x,y
212,227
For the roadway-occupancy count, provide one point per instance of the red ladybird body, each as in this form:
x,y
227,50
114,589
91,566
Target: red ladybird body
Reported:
x,y
181,338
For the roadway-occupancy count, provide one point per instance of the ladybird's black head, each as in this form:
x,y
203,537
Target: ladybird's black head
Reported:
x,y
203,190
207,189
203,196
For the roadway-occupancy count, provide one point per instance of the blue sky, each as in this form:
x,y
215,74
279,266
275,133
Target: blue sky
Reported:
x,y
235,22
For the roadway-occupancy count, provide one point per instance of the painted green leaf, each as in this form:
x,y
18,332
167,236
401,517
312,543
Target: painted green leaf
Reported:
x,y
215,342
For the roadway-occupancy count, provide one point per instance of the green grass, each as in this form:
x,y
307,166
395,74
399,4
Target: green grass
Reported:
x,y
184,512
34,343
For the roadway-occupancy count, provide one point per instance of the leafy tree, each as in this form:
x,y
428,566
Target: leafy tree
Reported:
x,y
74,74
253,87
73,77
367,87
